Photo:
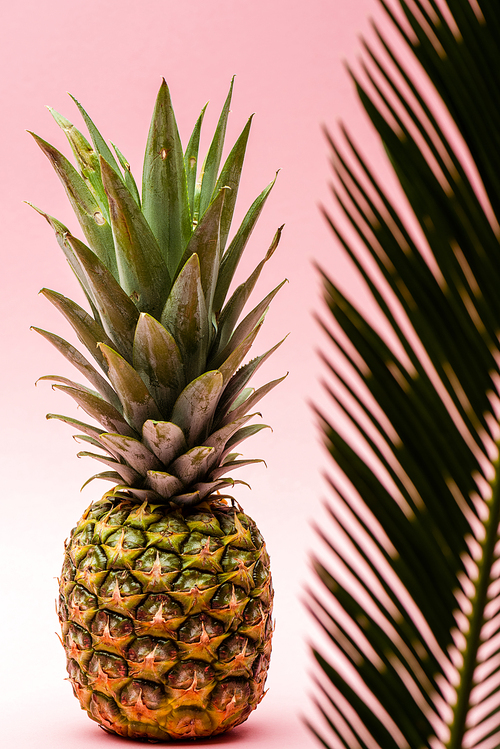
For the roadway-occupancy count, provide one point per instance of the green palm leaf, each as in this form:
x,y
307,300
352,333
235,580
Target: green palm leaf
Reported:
x,y
410,582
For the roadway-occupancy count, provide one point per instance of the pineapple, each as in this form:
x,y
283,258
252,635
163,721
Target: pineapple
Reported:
x,y
165,593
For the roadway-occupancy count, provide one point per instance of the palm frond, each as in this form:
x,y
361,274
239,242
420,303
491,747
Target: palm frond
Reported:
x,y
410,576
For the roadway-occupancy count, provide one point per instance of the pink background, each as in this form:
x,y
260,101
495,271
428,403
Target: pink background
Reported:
x,y
287,56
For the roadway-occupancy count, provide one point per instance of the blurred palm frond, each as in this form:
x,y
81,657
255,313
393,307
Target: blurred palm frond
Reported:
x,y
410,594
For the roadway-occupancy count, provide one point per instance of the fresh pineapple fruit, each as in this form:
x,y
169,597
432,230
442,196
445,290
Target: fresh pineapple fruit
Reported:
x,y
166,593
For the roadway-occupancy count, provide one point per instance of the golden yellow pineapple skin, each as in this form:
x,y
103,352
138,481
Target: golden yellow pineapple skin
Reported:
x,y
166,617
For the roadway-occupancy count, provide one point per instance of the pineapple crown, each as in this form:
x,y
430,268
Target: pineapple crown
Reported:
x,y
173,398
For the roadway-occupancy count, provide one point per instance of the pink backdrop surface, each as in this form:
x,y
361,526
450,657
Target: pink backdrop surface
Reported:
x,y
287,56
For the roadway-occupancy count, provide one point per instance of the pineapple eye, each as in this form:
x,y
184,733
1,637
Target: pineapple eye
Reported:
x,y
113,666
158,603
147,560
79,636
94,560
144,692
184,674
76,674
235,646
234,692
129,538
116,626
161,650
81,599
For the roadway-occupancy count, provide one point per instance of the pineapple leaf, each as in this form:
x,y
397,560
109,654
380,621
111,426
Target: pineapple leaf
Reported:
x,y
126,473
165,201
142,270
65,381
125,492
94,224
106,475
242,376
164,483
205,242
155,283
247,325
232,465
88,439
233,309
409,567
157,359
100,144
219,438
164,439
230,177
194,408
60,231
99,409
208,176
90,430
128,178
89,332
191,159
134,452
242,396
186,500
118,313
86,158
234,359
236,413
83,366
185,317
91,441
206,488
137,402
245,433
232,256
192,465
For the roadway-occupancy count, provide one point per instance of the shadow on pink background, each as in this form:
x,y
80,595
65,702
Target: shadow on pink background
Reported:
x,y
287,57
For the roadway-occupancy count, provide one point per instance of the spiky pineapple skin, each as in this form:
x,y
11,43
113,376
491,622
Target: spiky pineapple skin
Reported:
x,y
166,617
